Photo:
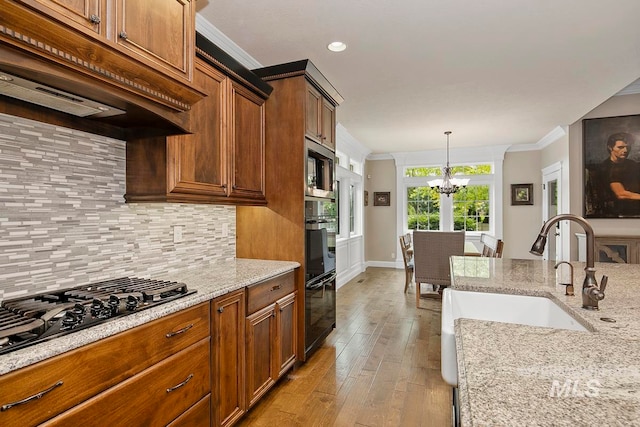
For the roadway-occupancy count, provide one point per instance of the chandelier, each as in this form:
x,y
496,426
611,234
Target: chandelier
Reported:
x,y
447,184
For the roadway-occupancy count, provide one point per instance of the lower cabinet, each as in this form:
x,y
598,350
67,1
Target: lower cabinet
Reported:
x,y
271,334
205,365
228,333
151,374
154,397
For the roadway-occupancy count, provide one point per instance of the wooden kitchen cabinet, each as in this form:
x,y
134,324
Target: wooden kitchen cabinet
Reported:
x,y
110,367
159,33
271,333
320,118
140,46
84,14
294,110
222,162
261,350
228,360
153,397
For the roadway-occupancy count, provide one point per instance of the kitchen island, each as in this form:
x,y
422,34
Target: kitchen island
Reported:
x,y
515,375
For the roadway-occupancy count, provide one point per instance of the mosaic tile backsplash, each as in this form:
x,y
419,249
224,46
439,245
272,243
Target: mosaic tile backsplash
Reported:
x,y
64,222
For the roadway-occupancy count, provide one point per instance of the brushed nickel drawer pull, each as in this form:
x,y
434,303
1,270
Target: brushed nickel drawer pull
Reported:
x,y
175,387
276,287
178,332
30,398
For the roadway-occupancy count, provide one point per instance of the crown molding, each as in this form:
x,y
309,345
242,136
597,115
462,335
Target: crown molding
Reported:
x,y
633,88
218,38
555,134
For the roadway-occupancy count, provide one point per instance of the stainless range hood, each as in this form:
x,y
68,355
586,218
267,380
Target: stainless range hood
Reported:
x,y
35,93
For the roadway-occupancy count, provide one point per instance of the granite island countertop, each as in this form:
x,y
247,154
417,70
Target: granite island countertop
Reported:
x,y
515,375
209,280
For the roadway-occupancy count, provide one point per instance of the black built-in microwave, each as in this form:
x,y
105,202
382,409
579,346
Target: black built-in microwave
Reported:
x,y
320,172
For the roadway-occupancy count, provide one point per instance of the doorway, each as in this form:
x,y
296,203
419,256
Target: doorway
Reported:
x,y
551,189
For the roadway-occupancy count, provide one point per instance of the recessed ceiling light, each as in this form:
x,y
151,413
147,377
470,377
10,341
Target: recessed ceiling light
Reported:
x,y
336,46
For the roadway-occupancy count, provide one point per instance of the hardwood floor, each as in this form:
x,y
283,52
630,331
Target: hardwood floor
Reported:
x,y
379,367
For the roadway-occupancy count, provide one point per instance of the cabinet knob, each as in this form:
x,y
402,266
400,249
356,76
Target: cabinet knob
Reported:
x,y
234,186
94,19
123,35
224,186
220,309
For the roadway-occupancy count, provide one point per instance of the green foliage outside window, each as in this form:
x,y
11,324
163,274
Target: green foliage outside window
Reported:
x,y
423,205
455,170
471,208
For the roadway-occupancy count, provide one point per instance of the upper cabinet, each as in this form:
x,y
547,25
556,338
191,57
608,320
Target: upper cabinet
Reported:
x,y
88,14
158,32
223,161
320,119
319,102
135,55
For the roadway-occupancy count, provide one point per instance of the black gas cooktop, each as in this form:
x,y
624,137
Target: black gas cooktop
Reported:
x,y
34,319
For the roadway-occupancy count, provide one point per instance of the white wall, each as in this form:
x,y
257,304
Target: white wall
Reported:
x,y
521,224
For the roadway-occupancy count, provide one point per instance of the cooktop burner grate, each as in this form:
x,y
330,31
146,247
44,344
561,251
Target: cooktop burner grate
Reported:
x,y
29,320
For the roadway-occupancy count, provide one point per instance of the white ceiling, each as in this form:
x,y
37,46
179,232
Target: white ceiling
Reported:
x,y
492,71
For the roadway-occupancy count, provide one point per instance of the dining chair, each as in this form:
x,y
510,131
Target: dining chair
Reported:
x,y
431,252
407,258
491,246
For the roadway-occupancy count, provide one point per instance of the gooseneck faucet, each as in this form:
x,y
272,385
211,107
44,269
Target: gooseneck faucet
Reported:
x,y
591,294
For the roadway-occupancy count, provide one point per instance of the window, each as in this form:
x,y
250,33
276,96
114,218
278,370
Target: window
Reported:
x,y
423,208
469,209
352,213
338,206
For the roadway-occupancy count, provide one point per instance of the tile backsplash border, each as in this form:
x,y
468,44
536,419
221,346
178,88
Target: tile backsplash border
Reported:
x,y
64,222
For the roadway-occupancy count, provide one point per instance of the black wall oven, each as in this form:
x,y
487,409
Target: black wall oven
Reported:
x,y
320,270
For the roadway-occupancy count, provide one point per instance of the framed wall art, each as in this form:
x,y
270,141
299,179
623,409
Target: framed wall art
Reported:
x,y
611,160
382,198
521,194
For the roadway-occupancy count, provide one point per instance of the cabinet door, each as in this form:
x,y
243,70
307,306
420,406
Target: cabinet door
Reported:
x,y
313,103
261,346
228,315
286,329
247,143
83,14
328,125
197,162
160,33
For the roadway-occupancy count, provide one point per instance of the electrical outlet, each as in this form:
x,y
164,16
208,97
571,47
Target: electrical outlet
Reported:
x,y
177,234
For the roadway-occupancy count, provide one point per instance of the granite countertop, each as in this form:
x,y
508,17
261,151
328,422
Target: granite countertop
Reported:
x,y
210,281
515,375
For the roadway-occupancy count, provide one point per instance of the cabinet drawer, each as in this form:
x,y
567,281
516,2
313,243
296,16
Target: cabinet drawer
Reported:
x,y
154,397
198,415
90,369
264,293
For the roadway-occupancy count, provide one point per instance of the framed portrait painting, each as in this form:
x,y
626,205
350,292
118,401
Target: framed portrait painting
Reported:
x,y
611,159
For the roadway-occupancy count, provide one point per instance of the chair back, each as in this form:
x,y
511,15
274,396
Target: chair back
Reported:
x,y
491,246
407,250
431,252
